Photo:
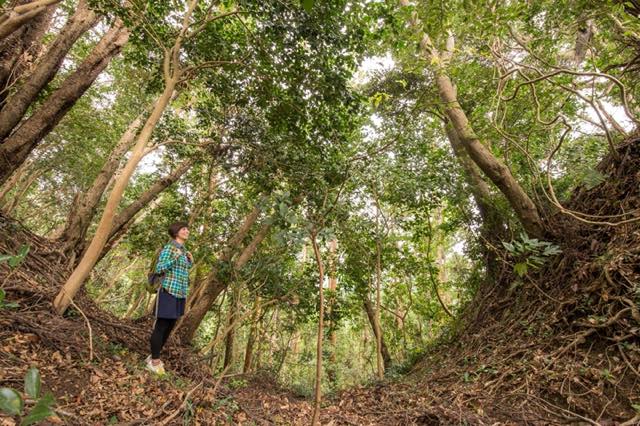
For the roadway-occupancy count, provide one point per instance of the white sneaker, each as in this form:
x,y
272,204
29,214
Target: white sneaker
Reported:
x,y
157,369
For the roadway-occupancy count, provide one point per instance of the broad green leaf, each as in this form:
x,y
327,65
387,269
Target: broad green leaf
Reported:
x,y
40,411
307,5
10,401
32,383
520,269
5,257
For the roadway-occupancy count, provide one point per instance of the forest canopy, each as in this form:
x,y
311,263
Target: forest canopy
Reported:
x,y
367,185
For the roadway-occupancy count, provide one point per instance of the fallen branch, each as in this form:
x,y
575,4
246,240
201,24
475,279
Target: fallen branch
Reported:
x,y
181,407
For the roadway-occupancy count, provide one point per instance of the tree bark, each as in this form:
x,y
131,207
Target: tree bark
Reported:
x,y
333,338
24,139
213,285
377,330
493,229
378,334
85,205
21,14
46,68
230,337
20,49
251,340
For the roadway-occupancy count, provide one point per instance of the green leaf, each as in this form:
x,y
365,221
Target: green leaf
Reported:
x,y
24,250
520,269
2,296
10,401
509,247
32,383
5,257
40,411
308,5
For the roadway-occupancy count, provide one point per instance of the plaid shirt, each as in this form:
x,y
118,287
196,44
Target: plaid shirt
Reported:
x,y
174,262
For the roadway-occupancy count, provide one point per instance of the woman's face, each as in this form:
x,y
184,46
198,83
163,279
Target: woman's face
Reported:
x,y
183,233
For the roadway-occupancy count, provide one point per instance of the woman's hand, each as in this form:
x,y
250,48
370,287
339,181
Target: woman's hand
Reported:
x,y
190,256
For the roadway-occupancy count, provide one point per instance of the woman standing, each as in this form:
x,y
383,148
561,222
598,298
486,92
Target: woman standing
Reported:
x,y
174,263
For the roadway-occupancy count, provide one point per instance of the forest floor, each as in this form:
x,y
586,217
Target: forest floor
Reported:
x,y
560,347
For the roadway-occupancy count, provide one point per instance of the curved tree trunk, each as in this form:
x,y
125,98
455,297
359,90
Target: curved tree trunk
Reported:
x,y
84,206
91,255
524,208
45,69
126,216
22,48
17,147
493,229
371,315
318,379
493,168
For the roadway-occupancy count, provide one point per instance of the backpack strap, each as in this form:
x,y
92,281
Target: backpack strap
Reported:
x,y
156,258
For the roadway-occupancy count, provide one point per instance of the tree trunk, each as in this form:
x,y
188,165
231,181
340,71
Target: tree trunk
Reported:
x,y
318,380
493,229
13,180
21,14
230,337
379,356
251,340
125,218
114,280
24,139
21,49
85,205
333,285
91,255
213,285
23,187
377,331
45,69
492,167
140,295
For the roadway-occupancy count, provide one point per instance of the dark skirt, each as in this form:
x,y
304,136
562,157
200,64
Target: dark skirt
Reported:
x,y
168,306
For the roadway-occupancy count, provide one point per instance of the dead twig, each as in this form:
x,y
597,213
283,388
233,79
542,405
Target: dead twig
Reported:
x,y
181,407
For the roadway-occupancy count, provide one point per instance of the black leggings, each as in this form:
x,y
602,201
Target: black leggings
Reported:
x,y
160,334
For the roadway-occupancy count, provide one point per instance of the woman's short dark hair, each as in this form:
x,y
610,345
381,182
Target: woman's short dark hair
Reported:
x,y
175,227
